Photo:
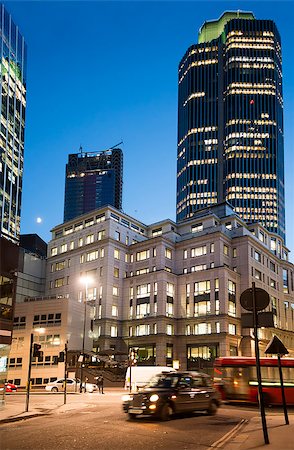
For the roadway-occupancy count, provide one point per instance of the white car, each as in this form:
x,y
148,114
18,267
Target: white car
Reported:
x,y
71,386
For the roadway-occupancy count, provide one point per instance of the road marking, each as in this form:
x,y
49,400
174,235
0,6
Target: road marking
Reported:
x,y
229,435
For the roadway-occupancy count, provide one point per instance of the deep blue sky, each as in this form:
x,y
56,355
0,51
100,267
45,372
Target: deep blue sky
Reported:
x,y
104,72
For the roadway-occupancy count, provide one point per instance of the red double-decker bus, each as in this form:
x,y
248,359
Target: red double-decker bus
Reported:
x,y
236,379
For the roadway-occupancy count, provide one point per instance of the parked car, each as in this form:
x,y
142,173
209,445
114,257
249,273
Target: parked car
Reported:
x,y
72,385
10,387
172,393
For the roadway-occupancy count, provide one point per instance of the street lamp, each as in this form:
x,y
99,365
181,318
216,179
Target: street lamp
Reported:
x,y
85,280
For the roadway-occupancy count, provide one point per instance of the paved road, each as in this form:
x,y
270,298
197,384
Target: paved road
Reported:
x,y
101,424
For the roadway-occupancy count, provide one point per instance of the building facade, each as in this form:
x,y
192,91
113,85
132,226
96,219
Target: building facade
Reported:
x,y
230,121
13,106
12,111
93,180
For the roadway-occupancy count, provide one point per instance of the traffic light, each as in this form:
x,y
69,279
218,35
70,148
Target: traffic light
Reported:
x,y
61,357
37,351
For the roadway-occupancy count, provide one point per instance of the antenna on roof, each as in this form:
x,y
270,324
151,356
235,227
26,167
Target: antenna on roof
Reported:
x,y
81,148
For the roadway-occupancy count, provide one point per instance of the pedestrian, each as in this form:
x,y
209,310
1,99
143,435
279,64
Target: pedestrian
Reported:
x,y
100,382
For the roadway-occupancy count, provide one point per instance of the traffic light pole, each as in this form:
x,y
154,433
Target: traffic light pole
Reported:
x,y
29,373
65,372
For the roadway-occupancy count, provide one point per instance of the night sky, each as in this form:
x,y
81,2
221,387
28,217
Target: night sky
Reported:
x,y
104,72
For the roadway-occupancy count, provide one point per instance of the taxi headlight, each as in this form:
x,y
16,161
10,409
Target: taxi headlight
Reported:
x,y
154,398
127,398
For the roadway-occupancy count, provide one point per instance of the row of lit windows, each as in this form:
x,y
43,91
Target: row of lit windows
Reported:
x,y
251,188
194,95
266,176
197,50
251,91
257,122
250,46
205,62
198,162
197,130
247,135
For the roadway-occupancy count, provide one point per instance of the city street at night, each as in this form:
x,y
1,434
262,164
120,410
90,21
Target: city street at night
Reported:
x,y
94,421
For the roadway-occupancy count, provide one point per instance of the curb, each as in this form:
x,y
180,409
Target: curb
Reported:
x,y
223,440
19,418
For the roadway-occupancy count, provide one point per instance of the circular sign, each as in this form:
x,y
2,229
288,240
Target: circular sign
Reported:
x,y
262,299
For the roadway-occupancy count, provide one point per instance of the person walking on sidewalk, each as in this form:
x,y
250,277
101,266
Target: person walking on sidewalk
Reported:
x,y
100,383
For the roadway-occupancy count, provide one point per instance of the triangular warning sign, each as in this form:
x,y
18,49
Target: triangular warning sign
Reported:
x,y
275,347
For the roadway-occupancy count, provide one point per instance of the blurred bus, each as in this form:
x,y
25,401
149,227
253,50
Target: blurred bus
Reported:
x,y
236,379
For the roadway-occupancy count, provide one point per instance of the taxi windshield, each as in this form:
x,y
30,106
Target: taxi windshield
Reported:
x,y
163,381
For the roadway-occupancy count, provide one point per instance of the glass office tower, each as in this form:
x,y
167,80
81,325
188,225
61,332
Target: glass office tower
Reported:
x,y
93,180
230,121
13,106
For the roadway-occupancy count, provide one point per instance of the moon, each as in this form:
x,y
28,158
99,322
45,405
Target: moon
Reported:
x,y
39,220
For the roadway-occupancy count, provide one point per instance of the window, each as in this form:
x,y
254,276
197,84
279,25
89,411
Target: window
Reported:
x,y
60,266
226,250
142,330
101,235
257,274
202,328
115,291
142,310
71,245
198,251
63,248
141,256
114,310
116,272
116,254
197,227
169,329
170,289
212,248
232,328
90,239
157,232
272,283
155,328
185,254
102,253
92,256
234,252
169,308
228,225
130,331
198,268
81,241
59,282
285,281
257,256
143,290
217,327
113,331
154,252
53,251
232,298
168,253
272,266
117,235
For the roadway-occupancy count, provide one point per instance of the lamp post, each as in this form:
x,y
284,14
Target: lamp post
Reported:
x,y
85,280
31,353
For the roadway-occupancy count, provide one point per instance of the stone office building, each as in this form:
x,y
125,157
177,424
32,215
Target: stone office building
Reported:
x,y
170,290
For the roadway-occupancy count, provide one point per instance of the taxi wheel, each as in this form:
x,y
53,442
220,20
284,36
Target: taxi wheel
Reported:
x,y
132,416
212,410
54,389
166,412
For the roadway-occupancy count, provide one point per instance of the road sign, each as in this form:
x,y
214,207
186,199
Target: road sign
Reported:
x,y
264,319
262,299
275,347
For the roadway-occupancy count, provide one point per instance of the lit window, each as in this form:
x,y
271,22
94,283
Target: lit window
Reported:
x,y
90,239
226,250
114,310
53,251
63,248
198,251
116,253
113,331
232,328
116,272
141,256
115,291
101,235
168,253
185,254
117,236
169,330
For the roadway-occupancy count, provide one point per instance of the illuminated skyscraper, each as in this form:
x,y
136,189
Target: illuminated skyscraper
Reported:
x,y
93,180
13,105
230,121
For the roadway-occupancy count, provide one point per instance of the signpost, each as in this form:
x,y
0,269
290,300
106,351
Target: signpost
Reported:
x,y
256,299
276,347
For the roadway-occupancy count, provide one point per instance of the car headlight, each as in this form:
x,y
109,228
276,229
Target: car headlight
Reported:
x,y
154,398
127,398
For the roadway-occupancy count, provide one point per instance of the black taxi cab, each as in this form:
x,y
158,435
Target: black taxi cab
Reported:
x,y
173,393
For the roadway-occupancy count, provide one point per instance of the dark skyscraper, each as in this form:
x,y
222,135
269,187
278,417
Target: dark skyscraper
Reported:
x,y
13,105
93,180
230,121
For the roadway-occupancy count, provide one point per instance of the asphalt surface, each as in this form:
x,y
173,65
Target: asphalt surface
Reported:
x,y
102,425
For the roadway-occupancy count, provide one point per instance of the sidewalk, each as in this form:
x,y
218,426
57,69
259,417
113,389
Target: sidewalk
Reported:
x,y
14,408
250,435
